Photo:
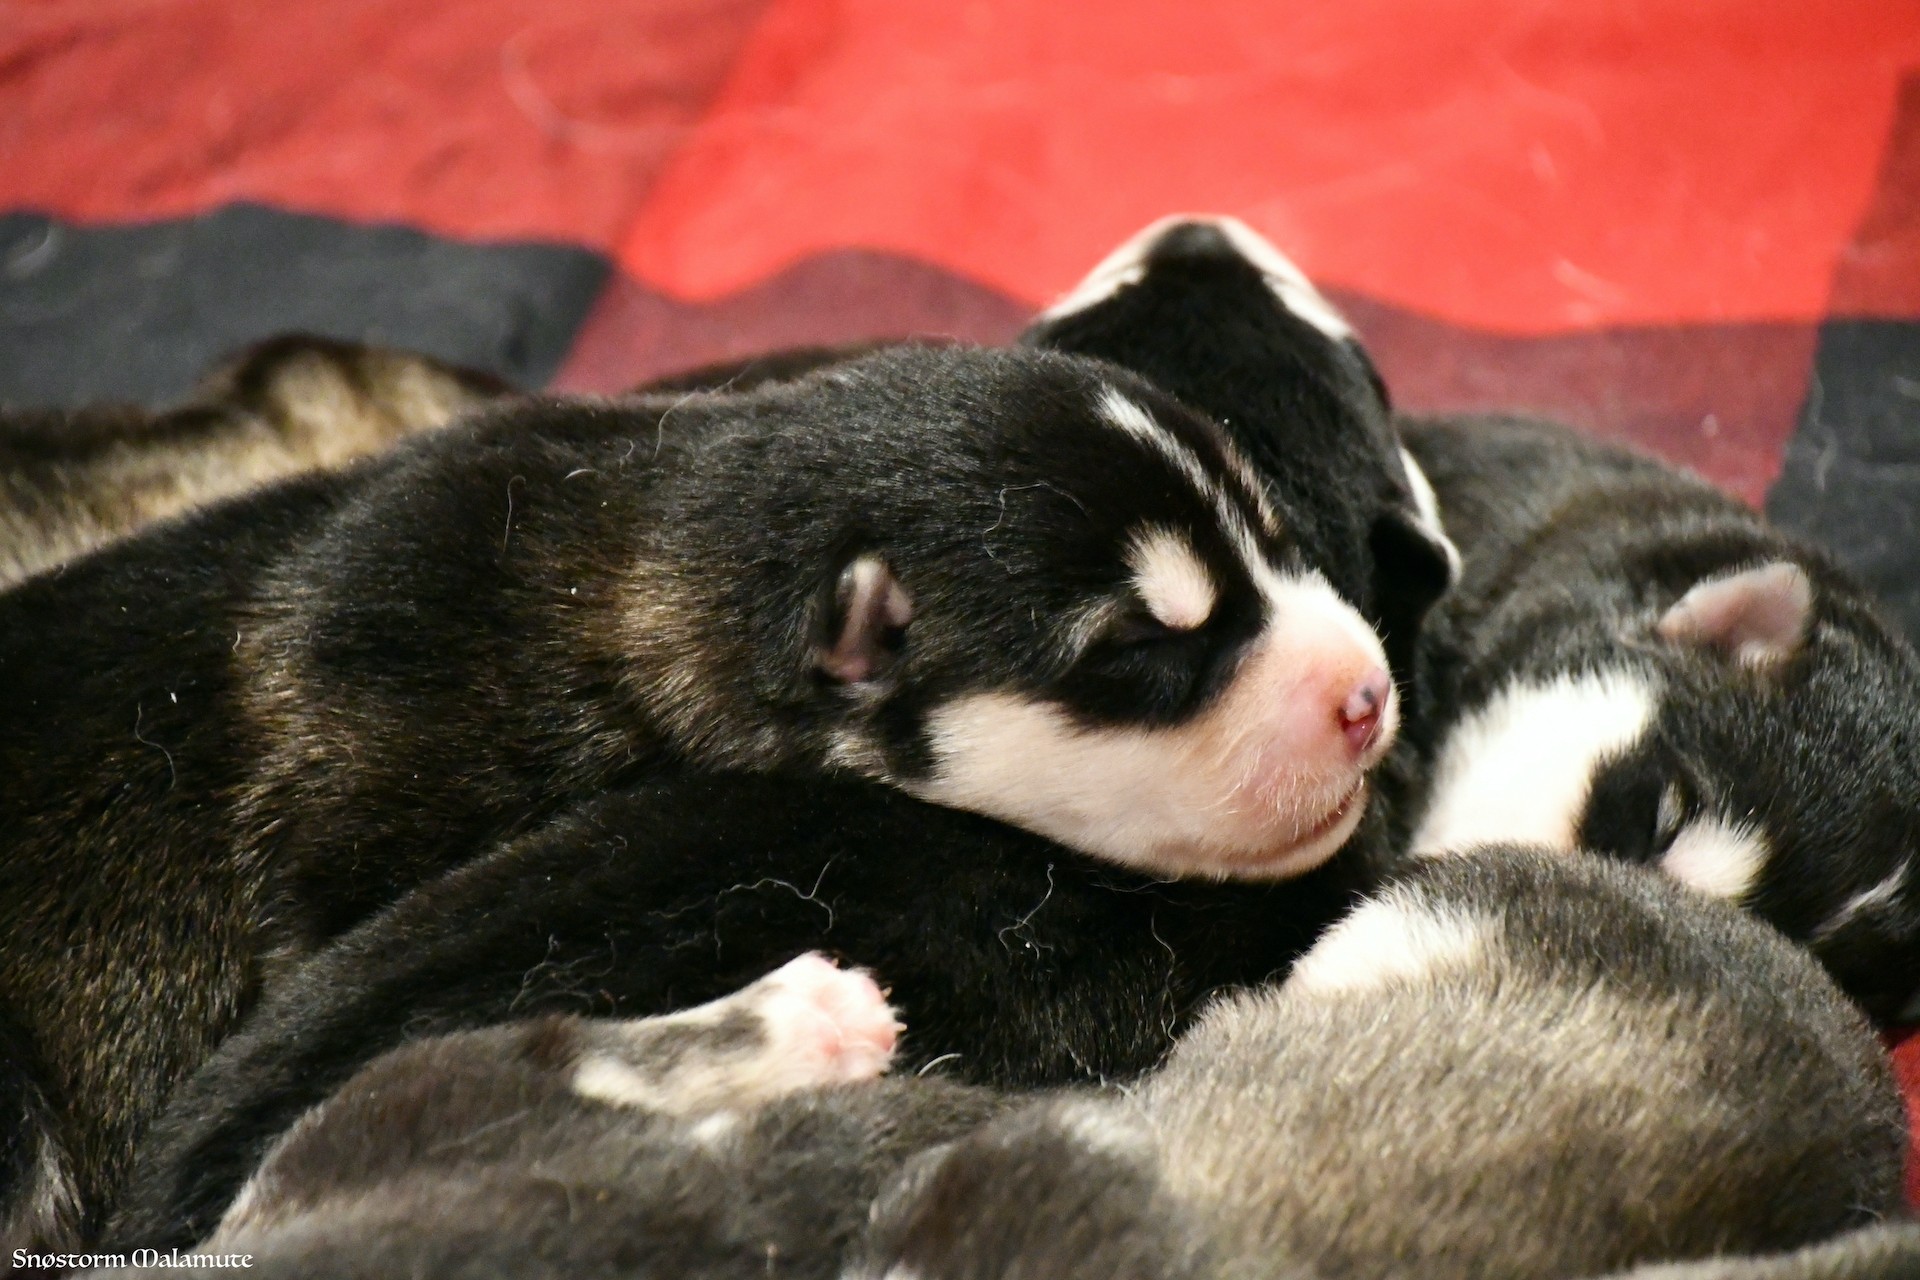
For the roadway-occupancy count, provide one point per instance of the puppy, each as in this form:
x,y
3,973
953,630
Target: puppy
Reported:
x,y
1018,961
705,1143
1513,1063
1635,663
73,480
1017,583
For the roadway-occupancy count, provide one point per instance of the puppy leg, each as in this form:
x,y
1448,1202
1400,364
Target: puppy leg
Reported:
x,y
805,1024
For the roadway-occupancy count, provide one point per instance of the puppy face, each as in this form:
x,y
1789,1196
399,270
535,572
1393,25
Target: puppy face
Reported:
x,y
1079,611
1747,746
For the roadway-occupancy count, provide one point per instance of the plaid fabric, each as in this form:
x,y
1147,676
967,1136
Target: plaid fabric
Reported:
x,y
1692,226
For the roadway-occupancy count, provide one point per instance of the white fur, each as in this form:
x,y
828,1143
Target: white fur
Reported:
x,y
1521,768
1427,504
1244,788
603,1077
1389,940
715,1129
1126,265
1721,859
1099,1125
1172,581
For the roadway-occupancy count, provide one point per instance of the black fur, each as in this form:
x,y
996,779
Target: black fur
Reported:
x,y
1032,964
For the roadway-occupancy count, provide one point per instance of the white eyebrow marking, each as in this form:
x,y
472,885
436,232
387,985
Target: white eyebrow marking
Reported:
x,y
1123,412
1720,858
1171,579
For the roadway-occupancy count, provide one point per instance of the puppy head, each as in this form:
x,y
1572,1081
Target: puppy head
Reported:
x,y
1219,318
1058,597
1757,742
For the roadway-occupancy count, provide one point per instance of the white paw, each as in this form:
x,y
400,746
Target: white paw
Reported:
x,y
824,1024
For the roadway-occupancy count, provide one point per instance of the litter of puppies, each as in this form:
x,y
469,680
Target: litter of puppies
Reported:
x,y
1296,841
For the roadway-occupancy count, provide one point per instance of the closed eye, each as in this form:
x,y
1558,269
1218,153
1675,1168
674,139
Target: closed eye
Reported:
x,y
1136,626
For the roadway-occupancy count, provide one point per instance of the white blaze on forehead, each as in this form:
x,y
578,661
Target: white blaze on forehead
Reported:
x,y
1393,938
1171,579
1521,768
1721,859
1129,416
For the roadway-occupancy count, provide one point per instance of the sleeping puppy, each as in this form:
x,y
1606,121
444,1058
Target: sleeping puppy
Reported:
x,y
1509,1064
1513,1063
1018,583
1635,663
71,480
1019,961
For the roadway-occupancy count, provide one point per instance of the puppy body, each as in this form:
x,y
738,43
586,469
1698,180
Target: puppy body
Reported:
x,y
1636,664
73,480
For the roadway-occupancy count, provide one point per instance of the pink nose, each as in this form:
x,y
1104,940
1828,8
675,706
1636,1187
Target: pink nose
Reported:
x,y
1360,713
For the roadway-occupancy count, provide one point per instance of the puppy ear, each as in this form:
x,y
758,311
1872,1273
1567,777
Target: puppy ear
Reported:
x,y
870,614
1412,569
1757,616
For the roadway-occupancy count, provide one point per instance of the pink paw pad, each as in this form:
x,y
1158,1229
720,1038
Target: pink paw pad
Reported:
x,y
831,1025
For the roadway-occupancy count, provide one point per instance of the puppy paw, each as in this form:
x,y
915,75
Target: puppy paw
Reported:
x,y
806,1024
826,1024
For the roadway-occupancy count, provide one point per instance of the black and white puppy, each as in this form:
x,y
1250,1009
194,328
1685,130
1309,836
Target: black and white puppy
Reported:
x,y
1510,1064
1019,961
1018,583
72,480
1635,663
